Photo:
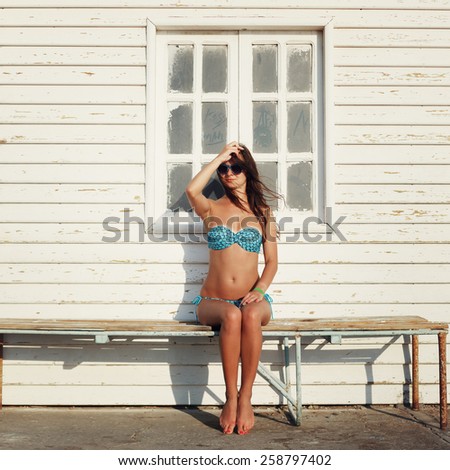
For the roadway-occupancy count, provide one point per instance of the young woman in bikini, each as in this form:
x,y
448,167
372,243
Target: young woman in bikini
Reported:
x,y
233,295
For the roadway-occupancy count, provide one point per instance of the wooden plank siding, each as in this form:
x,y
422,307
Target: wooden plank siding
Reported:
x,y
73,151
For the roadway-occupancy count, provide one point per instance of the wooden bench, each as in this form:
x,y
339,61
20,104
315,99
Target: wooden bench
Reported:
x,y
289,331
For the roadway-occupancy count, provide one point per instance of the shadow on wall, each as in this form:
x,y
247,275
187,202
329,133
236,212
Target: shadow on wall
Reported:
x,y
318,354
178,199
189,366
126,371
130,371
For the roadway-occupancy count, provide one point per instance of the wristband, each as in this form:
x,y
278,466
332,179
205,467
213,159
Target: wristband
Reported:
x,y
259,290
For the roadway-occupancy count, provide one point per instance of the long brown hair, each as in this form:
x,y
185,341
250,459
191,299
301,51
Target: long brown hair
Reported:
x,y
256,190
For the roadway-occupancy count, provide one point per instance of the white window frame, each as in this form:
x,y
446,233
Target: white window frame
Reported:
x,y
153,182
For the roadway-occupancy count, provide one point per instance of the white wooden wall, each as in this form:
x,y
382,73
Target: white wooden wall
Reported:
x,y
72,131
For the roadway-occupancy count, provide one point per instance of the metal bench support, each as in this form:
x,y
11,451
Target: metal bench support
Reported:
x,y
294,401
443,378
415,372
287,373
298,385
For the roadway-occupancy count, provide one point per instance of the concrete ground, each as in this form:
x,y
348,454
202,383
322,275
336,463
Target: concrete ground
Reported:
x,y
148,428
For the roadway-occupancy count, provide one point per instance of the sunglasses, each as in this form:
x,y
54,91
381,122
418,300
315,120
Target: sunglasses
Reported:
x,y
236,169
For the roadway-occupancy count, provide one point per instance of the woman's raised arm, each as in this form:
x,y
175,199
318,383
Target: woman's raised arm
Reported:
x,y
198,201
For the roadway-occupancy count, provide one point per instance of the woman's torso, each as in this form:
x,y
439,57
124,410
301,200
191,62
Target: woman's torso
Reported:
x,y
233,271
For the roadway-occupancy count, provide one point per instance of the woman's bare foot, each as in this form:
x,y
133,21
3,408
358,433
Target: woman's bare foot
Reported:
x,y
245,415
228,416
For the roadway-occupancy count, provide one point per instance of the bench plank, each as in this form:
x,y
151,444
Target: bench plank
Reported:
x,y
355,323
282,325
100,325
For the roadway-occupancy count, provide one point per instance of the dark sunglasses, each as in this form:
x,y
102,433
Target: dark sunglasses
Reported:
x,y
235,168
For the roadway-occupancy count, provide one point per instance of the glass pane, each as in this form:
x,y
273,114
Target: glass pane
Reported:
x,y
299,127
265,73
265,127
299,75
181,68
269,176
214,123
178,177
179,128
215,69
299,183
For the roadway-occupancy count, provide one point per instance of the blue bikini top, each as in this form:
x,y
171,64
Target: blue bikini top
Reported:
x,y
221,237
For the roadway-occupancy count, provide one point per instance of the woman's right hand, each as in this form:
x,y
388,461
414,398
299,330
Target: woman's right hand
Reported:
x,y
228,150
200,203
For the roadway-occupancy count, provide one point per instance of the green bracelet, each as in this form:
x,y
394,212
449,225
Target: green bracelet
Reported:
x,y
259,290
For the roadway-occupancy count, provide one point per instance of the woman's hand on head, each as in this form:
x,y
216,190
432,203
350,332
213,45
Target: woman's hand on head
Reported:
x,y
228,150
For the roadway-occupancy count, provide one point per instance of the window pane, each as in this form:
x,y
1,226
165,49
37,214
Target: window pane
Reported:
x,y
179,175
269,176
214,122
299,76
265,71
265,127
181,68
299,183
215,69
299,127
180,128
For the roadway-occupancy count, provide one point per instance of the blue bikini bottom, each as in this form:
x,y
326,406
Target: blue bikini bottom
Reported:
x,y
236,302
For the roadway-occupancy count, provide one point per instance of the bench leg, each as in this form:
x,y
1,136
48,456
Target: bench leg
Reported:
x,y
415,372
287,375
1,371
293,401
443,379
298,381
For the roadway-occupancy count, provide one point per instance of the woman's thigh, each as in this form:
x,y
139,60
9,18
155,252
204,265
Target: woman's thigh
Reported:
x,y
214,312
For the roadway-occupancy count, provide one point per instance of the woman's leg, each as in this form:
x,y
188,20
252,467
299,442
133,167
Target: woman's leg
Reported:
x,y
228,316
254,315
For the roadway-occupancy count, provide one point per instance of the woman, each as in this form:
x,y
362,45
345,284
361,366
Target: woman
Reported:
x,y
233,295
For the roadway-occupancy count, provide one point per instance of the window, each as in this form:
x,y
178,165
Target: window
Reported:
x,y
261,88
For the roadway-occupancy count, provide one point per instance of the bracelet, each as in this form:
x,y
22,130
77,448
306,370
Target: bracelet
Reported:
x,y
259,290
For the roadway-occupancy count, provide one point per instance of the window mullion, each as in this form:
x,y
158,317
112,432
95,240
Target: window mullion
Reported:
x,y
245,95
234,92
282,119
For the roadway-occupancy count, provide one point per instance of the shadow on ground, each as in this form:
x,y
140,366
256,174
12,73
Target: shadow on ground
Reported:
x,y
196,428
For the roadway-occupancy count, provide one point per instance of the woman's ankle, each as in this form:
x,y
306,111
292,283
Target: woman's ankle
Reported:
x,y
245,394
232,395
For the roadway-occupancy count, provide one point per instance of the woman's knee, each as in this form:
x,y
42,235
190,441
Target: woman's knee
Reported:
x,y
253,316
231,317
